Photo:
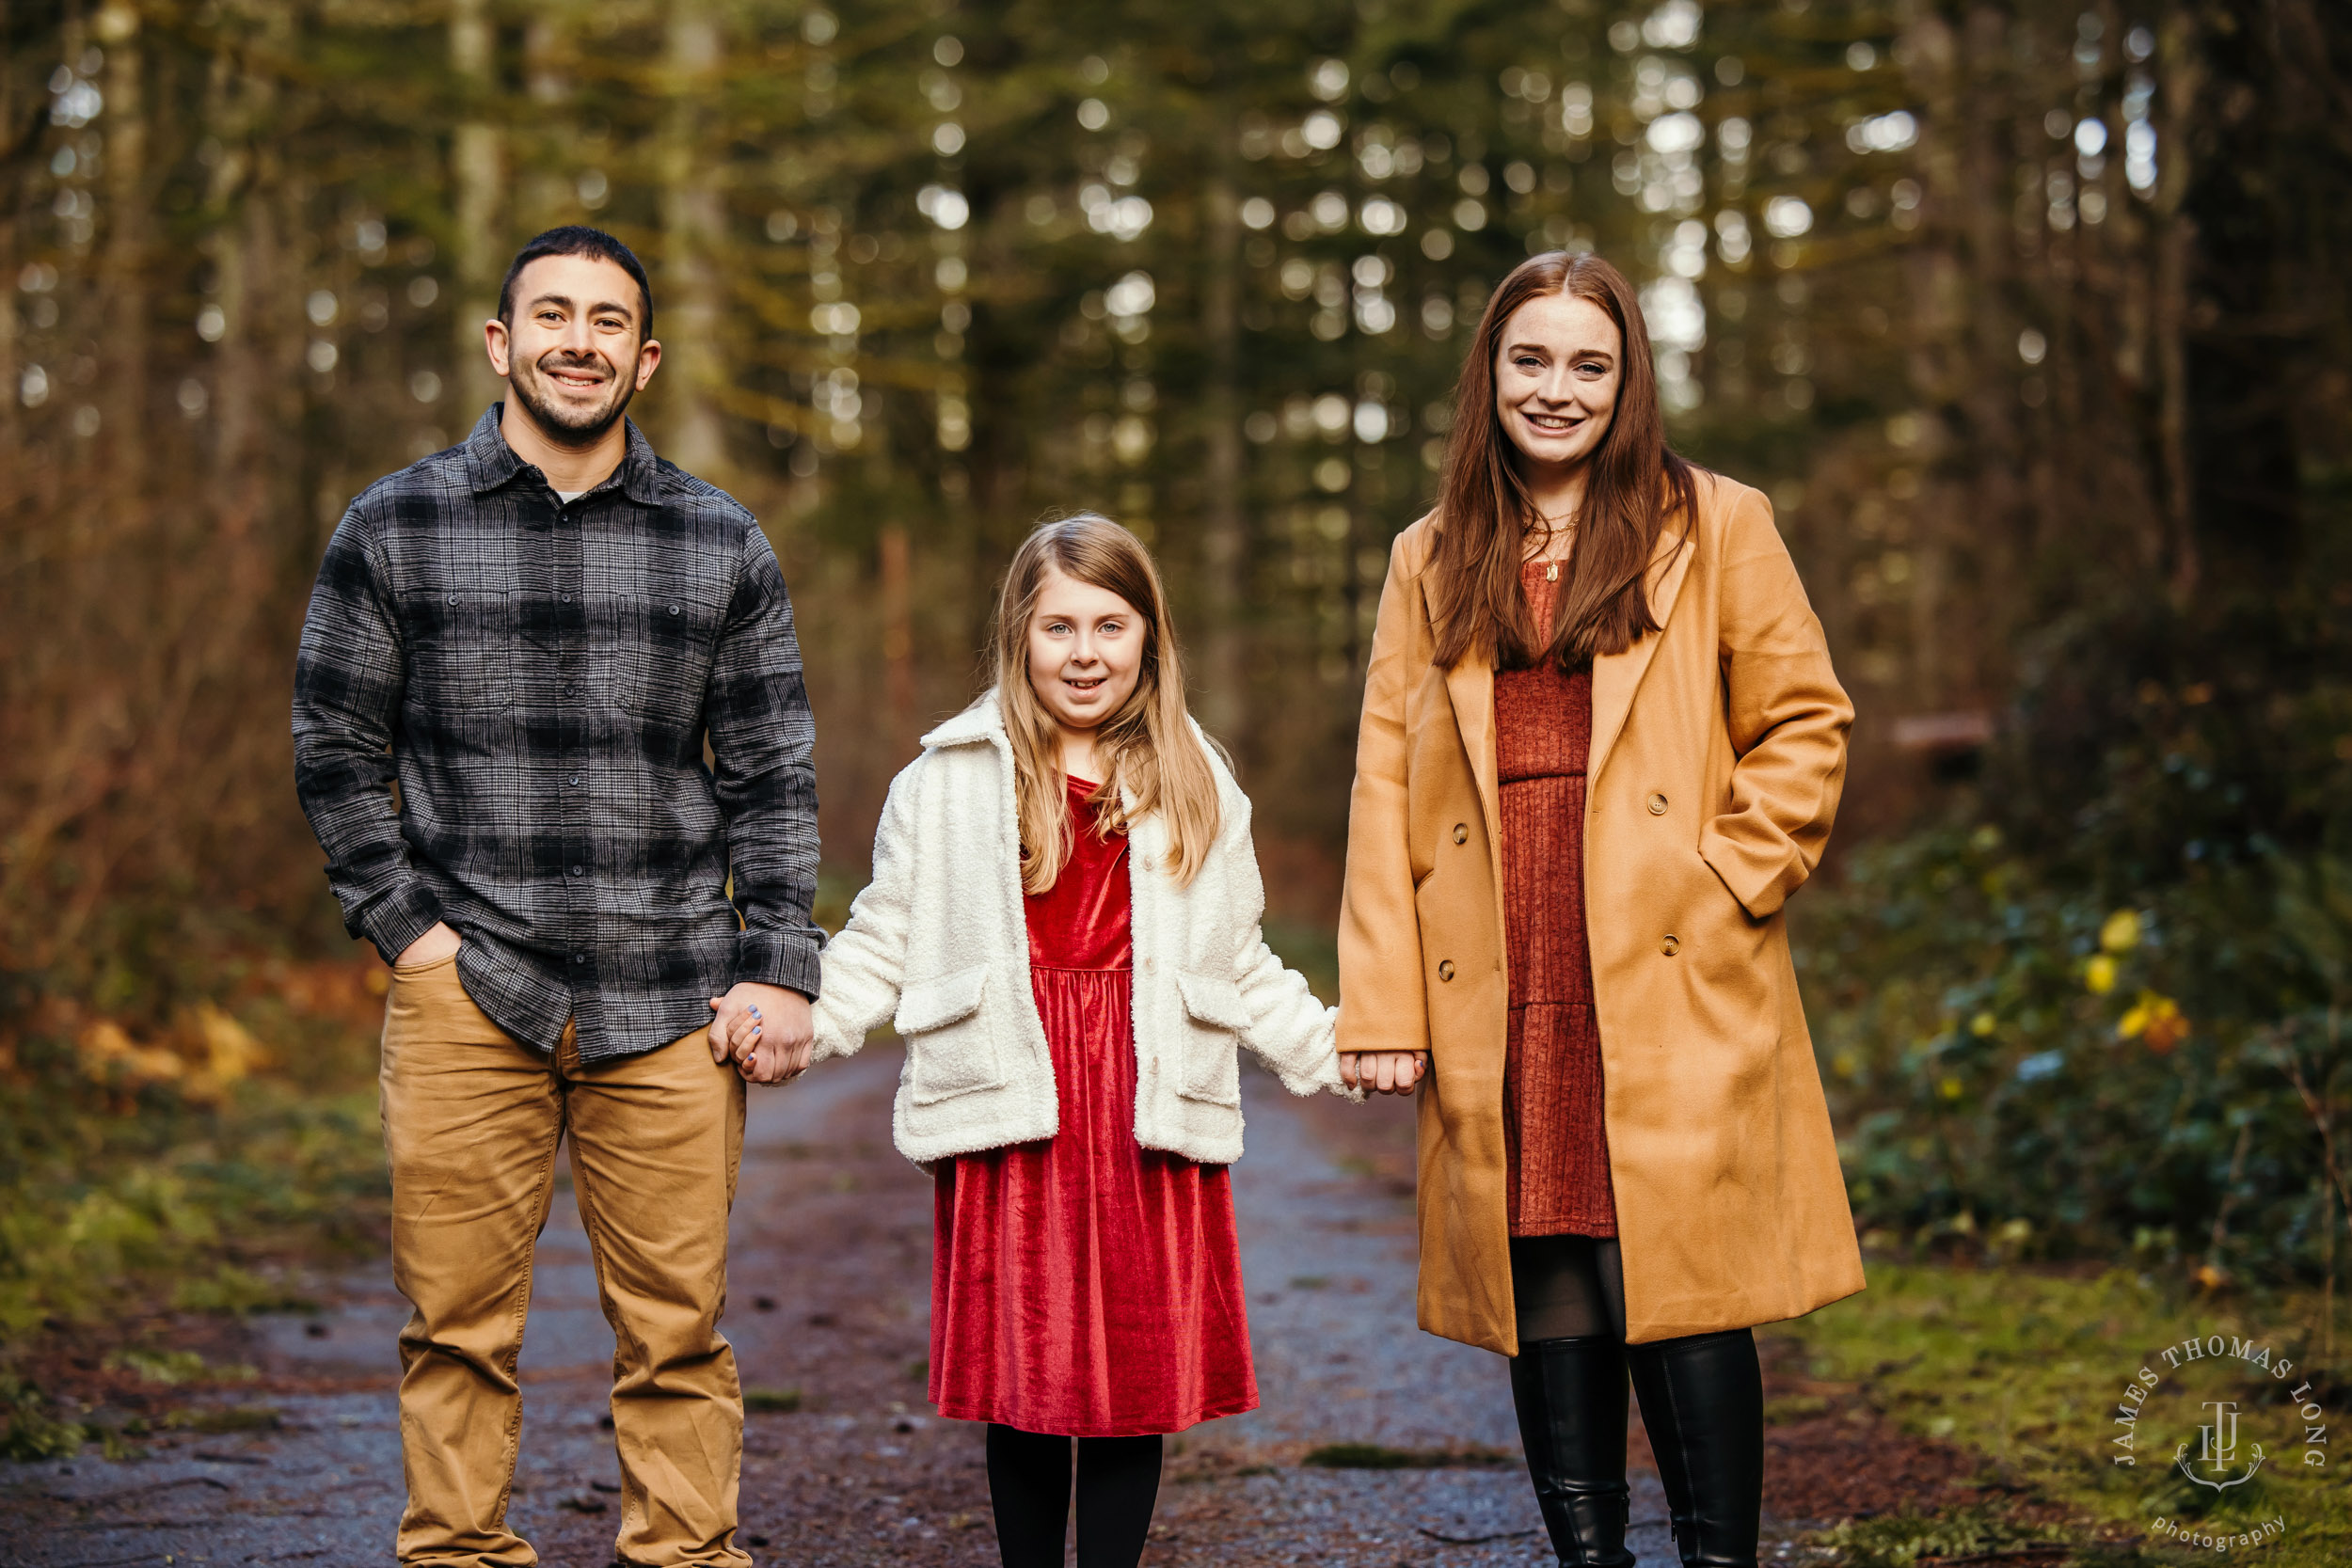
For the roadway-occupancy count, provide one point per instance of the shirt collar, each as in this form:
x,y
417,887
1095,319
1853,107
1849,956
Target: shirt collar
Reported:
x,y
490,462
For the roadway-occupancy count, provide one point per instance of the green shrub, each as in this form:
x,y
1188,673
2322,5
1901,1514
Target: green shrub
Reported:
x,y
2129,1038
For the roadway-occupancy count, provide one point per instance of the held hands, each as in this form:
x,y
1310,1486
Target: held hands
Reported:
x,y
1382,1071
766,1031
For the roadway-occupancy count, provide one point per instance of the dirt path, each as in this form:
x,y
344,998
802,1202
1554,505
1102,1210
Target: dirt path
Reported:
x,y
844,1465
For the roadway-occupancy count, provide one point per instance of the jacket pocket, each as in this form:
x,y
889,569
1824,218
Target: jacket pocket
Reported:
x,y
1216,1018
949,1050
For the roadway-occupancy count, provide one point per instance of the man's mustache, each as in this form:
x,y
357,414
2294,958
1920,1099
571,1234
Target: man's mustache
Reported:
x,y
559,360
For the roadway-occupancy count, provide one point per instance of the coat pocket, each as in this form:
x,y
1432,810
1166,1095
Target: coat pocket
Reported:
x,y
1216,1018
949,1050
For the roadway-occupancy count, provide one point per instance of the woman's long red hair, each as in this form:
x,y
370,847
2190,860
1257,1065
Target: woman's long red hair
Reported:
x,y
1636,483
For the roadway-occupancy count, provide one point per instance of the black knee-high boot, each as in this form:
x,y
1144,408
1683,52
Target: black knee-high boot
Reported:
x,y
1703,1404
1570,1396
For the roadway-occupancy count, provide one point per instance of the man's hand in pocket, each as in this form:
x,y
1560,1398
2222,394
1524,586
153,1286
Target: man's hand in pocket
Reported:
x,y
438,942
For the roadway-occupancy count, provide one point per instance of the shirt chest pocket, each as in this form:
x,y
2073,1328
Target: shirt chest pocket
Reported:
x,y
662,649
1216,1018
461,650
950,1050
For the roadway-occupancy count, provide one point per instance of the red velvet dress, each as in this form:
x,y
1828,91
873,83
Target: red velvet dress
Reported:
x,y
1085,1285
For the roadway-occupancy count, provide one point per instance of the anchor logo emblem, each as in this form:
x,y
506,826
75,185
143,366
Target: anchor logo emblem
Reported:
x,y
2217,1450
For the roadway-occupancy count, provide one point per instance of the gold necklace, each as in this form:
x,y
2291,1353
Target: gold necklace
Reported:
x,y
1551,526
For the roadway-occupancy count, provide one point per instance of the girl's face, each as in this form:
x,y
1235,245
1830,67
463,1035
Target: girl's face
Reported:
x,y
1556,379
1086,651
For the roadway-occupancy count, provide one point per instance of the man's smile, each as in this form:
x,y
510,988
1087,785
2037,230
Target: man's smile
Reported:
x,y
576,378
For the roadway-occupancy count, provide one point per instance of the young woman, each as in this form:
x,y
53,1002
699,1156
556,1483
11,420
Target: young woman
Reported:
x,y
1064,927
1601,745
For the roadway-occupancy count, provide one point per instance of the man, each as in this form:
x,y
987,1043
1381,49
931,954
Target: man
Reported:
x,y
534,633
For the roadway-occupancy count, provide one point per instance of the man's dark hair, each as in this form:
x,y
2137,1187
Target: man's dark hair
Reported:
x,y
578,239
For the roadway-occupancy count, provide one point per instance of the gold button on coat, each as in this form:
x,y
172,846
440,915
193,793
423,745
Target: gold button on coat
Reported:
x,y
1670,945
1445,969
1461,832
1657,804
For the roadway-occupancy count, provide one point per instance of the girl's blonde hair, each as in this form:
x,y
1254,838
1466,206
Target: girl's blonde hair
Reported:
x,y
1148,746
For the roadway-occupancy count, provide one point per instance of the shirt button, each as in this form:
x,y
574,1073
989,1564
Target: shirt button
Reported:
x,y
675,609
573,781
1445,969
1657,804
575,871
565,597
452,598
579,957
1461,832
1670,945
569,688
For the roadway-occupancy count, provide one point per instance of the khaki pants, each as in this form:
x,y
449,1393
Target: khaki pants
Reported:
x,y
472,1120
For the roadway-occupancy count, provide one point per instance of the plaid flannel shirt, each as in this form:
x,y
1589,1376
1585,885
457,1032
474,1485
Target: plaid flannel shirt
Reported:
x,y
540,677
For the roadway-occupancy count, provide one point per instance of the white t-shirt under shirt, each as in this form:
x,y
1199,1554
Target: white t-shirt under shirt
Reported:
x,y
567,496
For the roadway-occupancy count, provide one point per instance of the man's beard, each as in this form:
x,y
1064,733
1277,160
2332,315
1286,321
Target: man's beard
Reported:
x,y
561,424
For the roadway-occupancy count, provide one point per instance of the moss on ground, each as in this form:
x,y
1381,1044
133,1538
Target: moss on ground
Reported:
x,y
2031,1373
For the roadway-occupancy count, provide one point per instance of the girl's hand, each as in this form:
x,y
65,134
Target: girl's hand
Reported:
x,y
769,1060
1381,1071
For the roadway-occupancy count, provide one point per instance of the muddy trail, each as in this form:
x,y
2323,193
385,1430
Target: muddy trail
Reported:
x,y
844,1463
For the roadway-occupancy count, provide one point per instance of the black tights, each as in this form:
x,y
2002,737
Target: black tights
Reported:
x,y
1028,1484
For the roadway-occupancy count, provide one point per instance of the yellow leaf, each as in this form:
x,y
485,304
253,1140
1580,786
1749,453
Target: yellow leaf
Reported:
x,y
2120,933
231,1051
1950,1088
2099,974
103,1043
1983,1024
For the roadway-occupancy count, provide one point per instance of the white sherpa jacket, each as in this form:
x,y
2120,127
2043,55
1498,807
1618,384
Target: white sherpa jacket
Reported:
x,y
938,945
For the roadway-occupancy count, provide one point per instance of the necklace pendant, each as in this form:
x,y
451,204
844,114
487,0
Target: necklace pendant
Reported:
x,y
1552,571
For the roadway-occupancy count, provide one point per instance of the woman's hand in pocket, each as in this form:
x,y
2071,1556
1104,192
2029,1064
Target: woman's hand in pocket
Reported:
x,y
1381,1071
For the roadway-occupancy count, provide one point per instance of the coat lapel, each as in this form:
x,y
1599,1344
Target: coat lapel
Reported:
x,y
1618,676
1471,685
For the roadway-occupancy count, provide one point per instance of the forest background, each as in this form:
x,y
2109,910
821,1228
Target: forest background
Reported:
x,y
2032,318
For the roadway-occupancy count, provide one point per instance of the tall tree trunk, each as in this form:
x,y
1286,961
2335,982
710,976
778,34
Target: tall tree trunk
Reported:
x,y
123,267
898,614
1224,703
694,229
478,169
546,195
2241,338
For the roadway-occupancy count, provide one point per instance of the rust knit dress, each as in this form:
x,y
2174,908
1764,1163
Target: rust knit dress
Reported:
x,y
1557,1142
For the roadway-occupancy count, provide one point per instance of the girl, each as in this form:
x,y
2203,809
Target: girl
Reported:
x,y
1601,745
1063,926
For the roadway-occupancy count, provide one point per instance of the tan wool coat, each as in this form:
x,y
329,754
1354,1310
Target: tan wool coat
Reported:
x,y
1718,752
